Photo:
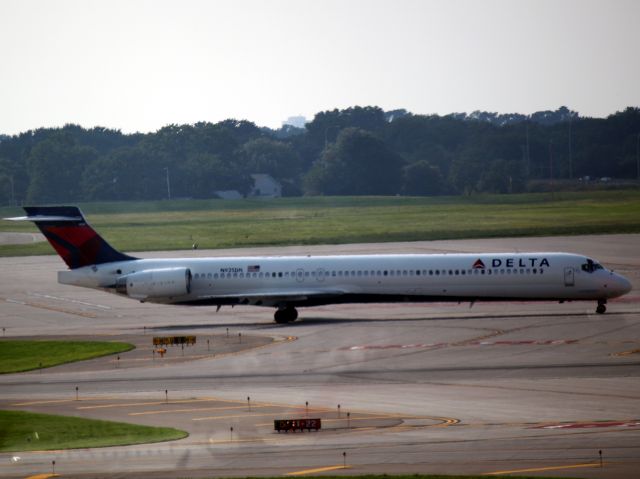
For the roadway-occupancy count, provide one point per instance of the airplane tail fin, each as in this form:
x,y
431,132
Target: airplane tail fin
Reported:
x,y
71,236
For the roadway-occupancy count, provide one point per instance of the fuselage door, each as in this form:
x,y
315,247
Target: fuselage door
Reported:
x,y
300,275
568,277
320,275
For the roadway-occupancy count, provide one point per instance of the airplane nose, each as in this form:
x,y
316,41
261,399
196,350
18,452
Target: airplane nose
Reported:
x,y
622,285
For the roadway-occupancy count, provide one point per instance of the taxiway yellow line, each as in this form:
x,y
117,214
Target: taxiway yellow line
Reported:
x,y
153,403
319,469
626,353
540,469
230,416
43,476
59,401
196,409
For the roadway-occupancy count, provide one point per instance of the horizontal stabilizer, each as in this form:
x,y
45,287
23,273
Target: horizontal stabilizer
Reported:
x,y
41,218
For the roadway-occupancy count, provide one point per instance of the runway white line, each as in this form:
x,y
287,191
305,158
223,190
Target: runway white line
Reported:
x,y
67,300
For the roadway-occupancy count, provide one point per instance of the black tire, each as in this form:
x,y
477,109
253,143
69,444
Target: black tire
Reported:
x,y
601,309
281,316
285,315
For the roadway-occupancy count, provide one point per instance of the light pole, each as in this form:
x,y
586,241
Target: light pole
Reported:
x,y
168,183
570,153
13,192
638,157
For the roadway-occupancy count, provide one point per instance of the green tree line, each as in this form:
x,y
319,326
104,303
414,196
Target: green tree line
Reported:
x,y
355,151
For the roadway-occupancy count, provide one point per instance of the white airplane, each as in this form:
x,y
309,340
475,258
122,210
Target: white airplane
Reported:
x,y
289,282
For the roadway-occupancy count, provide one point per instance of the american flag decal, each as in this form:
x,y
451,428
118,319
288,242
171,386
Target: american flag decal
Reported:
x,y
253,269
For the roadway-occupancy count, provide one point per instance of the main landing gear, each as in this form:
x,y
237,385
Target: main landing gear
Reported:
x,y
601,308
285,314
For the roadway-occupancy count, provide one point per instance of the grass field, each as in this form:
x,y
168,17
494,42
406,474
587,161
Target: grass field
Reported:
x,y
26,431
170,225
18,356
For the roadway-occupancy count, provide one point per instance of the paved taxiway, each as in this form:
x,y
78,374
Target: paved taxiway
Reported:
x,y
436,388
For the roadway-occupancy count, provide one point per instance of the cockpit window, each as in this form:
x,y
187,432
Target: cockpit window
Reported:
x,y
590,266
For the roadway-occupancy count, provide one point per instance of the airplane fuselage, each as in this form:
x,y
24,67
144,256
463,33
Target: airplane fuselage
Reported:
x,y
308,281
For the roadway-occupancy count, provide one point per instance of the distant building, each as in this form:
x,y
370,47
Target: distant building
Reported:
x,y
228,194
265,186
297,121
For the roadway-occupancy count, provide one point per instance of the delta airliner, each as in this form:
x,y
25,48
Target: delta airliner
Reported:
x,y
286,283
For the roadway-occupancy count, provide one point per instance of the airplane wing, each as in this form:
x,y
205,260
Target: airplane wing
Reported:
x,y
271,298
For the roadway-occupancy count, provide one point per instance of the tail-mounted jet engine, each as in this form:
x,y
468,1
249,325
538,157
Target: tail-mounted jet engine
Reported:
x,y
155,283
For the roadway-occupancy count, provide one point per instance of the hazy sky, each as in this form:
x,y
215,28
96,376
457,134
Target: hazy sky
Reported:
x,y
140,65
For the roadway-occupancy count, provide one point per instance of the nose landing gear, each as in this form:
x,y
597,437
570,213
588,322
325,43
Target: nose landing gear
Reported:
x,y
601,308
286,314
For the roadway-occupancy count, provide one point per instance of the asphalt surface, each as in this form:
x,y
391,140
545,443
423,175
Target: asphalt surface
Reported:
x,y
532,388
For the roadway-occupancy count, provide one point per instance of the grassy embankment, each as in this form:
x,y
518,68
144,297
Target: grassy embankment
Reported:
x,y
26,431
170,225
18,356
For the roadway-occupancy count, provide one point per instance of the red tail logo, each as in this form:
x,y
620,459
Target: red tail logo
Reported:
x,y
478,264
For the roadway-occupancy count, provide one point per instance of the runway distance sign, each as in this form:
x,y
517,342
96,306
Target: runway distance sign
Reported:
x,y
174,340
296,424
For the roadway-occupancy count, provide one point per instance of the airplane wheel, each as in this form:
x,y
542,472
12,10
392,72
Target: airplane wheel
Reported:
x,y
601,309
280,316
285,315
